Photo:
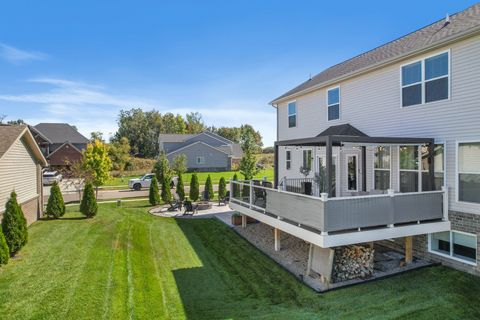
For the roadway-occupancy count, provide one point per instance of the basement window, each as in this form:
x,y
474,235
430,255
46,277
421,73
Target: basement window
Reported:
x,y
457,245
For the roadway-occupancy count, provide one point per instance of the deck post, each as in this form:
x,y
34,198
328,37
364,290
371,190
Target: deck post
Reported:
x,y
309,262
244,221
364,168
445,203
408,249
275,166
431,164
276,234
251,194
328,165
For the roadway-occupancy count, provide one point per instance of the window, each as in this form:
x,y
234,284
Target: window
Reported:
x,y
333,104
292,114
352,173
200,160
426,80
409,174
307,159
382,168
438,169
455,244
469,172
288,159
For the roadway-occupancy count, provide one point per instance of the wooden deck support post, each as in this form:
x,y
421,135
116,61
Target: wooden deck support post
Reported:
x,y
408,249
276,235
244,221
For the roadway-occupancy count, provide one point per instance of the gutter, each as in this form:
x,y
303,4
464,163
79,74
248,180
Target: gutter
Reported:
x,y
459,37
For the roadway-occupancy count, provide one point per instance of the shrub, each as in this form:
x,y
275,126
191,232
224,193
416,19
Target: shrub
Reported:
x,y
222,188
208,189
55,205
89,206
4,251
194,187
14,225
166,192
154,195
180,188
236,187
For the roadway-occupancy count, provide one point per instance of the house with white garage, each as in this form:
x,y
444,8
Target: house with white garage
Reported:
x,y
383,147
205,151
21,163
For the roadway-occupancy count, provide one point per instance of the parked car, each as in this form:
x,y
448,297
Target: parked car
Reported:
x,y
145,181
49,177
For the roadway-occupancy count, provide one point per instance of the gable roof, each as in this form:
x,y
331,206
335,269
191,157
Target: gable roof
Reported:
x,y
60,132
461,24
63,145
167,137
342,130
11,133
234,149
194,143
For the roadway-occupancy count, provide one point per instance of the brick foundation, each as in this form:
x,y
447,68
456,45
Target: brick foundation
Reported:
x,y
31,210
461,221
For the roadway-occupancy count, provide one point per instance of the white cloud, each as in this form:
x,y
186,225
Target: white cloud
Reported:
x,y
15,55
91,108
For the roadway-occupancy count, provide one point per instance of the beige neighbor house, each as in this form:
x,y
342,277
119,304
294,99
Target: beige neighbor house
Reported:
x,y
21,163
390,146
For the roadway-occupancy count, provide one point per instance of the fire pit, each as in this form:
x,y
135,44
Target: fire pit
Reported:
x,y
204,205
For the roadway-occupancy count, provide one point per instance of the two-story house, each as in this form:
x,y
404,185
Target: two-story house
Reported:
x,y
383,146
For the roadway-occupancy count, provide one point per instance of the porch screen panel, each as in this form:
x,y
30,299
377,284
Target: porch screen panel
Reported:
x,y
409,169
382,168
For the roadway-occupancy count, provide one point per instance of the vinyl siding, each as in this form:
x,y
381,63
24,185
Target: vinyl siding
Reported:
x,y
371,103
18,172
213,158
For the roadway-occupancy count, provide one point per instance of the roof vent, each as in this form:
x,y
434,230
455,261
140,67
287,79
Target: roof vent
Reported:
x,y
447,19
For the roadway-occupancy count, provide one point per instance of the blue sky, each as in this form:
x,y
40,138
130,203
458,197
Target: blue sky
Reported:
x,y
82,61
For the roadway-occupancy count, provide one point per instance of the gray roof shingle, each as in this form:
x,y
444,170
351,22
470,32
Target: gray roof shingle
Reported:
x,y
60,132
9,134
167,137
342,130
437,33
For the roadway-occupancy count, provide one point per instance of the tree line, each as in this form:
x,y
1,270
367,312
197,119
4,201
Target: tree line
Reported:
x,y
142,128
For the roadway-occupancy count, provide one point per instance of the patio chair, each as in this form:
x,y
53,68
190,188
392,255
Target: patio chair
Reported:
x,y
190,207
176,204
225,199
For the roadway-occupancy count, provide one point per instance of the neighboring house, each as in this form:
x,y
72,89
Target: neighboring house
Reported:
x,y
21,163
382,134
205,151
60,143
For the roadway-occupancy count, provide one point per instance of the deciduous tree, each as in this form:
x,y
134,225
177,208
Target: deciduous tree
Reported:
x,y
97,162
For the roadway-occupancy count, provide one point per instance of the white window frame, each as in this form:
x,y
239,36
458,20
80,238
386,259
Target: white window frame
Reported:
x,y
450,256
389,169
423,81
354,155
289,161
295,114
202,158
457,172
339,103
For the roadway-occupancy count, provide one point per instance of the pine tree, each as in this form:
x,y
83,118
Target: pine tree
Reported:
x,y
222,188
55,205
14,225
180,188
89,206
4,251
166,192
209,188
236,187
194,188
154,195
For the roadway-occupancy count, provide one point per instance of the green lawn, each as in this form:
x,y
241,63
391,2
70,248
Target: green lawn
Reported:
x,y
127,264
202,177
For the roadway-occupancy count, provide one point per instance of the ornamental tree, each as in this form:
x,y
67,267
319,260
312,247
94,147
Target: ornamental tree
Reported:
x,y
166,192
55,205
89,206
153,194
194,187
180,188
14,225
97,161
222,188
4,251
208,190
235,187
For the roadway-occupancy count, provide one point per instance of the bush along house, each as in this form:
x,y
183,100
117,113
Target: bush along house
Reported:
x,y
383,147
